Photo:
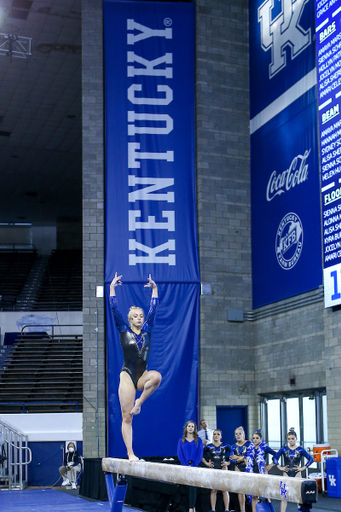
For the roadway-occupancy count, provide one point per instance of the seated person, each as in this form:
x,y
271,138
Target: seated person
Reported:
x,y
71,467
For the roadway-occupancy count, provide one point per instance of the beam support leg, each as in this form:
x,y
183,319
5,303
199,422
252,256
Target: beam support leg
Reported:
x,y
116,494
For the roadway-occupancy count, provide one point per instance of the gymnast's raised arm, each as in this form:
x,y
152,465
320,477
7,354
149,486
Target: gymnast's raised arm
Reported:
x,y
151,284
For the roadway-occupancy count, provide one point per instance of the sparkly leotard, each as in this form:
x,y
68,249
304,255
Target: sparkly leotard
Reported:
x,y
217,454
240,451
135,347
292,458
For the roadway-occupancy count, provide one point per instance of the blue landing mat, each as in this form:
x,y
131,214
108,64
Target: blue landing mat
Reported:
x,y
48,500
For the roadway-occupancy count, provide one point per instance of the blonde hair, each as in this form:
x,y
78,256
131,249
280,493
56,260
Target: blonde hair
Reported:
x,y
131,311
240,428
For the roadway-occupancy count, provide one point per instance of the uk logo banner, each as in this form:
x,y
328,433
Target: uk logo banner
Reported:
x,y
285,189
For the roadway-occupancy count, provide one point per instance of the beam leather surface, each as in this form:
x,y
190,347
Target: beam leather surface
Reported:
x,y
269,486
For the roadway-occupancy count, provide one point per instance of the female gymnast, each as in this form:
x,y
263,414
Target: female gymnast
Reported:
x,y
292,455
238,459
135,342
216,455
255,459
190,451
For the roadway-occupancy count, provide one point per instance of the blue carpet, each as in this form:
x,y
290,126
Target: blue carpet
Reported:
x,y
48,500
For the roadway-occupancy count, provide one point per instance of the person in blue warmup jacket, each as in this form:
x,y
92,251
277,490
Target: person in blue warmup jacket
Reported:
x,y
190,452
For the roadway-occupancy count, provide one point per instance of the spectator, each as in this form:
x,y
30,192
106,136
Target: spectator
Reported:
x,y
205,433
190,451
71,467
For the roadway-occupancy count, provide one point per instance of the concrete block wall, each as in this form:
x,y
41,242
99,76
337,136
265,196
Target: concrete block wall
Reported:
x,y
93,229
332,327
290,345
223,200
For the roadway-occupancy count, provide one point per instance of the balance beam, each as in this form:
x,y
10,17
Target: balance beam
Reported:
x,y
296,490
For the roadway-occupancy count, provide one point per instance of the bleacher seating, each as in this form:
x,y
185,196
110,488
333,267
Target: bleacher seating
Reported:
x,y
15,265
61,288
43,370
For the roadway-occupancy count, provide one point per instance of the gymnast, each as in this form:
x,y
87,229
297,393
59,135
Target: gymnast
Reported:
x,y
135,342
255,458
216,455
238,459
292,455
190,451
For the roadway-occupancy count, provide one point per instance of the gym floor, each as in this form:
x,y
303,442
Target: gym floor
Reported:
x,y
51,500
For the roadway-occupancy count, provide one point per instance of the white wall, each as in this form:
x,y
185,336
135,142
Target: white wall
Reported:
x,y
47,427
15,321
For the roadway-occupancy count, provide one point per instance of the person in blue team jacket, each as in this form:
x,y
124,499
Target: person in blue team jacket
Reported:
x,y
135,341
292,456
190,452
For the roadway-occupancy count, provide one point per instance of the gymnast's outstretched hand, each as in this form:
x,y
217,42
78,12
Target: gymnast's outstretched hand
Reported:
x,y
115,282
151,284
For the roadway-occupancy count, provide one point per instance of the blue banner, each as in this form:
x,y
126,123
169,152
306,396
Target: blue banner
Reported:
x,y
151,225
281,48
150,157
174,353
286,221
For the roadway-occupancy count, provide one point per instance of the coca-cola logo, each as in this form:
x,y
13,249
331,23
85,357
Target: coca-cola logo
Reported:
x,y
295,175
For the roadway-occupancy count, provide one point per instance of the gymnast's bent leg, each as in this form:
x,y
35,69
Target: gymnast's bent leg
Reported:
x,y
147,383
126,394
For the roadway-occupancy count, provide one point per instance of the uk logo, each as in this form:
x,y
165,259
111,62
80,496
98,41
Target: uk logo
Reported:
x,y
283,489
332,480
283,32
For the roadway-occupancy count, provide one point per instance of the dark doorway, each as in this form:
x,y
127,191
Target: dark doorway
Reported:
x,y
229,418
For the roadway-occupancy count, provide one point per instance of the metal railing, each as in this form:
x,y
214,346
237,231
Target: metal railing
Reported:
x,y
14,472
52,326
28,404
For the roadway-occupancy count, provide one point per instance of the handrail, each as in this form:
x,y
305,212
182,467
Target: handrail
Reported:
x,y
9,427
21,448
40,403
53,326
17,468
17,247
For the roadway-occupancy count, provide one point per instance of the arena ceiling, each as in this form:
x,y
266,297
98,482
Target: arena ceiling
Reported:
x,y
40,113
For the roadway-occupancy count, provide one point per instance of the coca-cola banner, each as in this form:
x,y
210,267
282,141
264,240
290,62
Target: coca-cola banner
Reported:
x,y
285,187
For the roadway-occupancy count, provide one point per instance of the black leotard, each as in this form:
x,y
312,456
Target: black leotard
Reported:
x,y
135,347
217,454
293,458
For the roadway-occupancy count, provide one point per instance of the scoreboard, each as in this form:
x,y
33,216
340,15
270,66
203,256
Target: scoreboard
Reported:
x,y
328,43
